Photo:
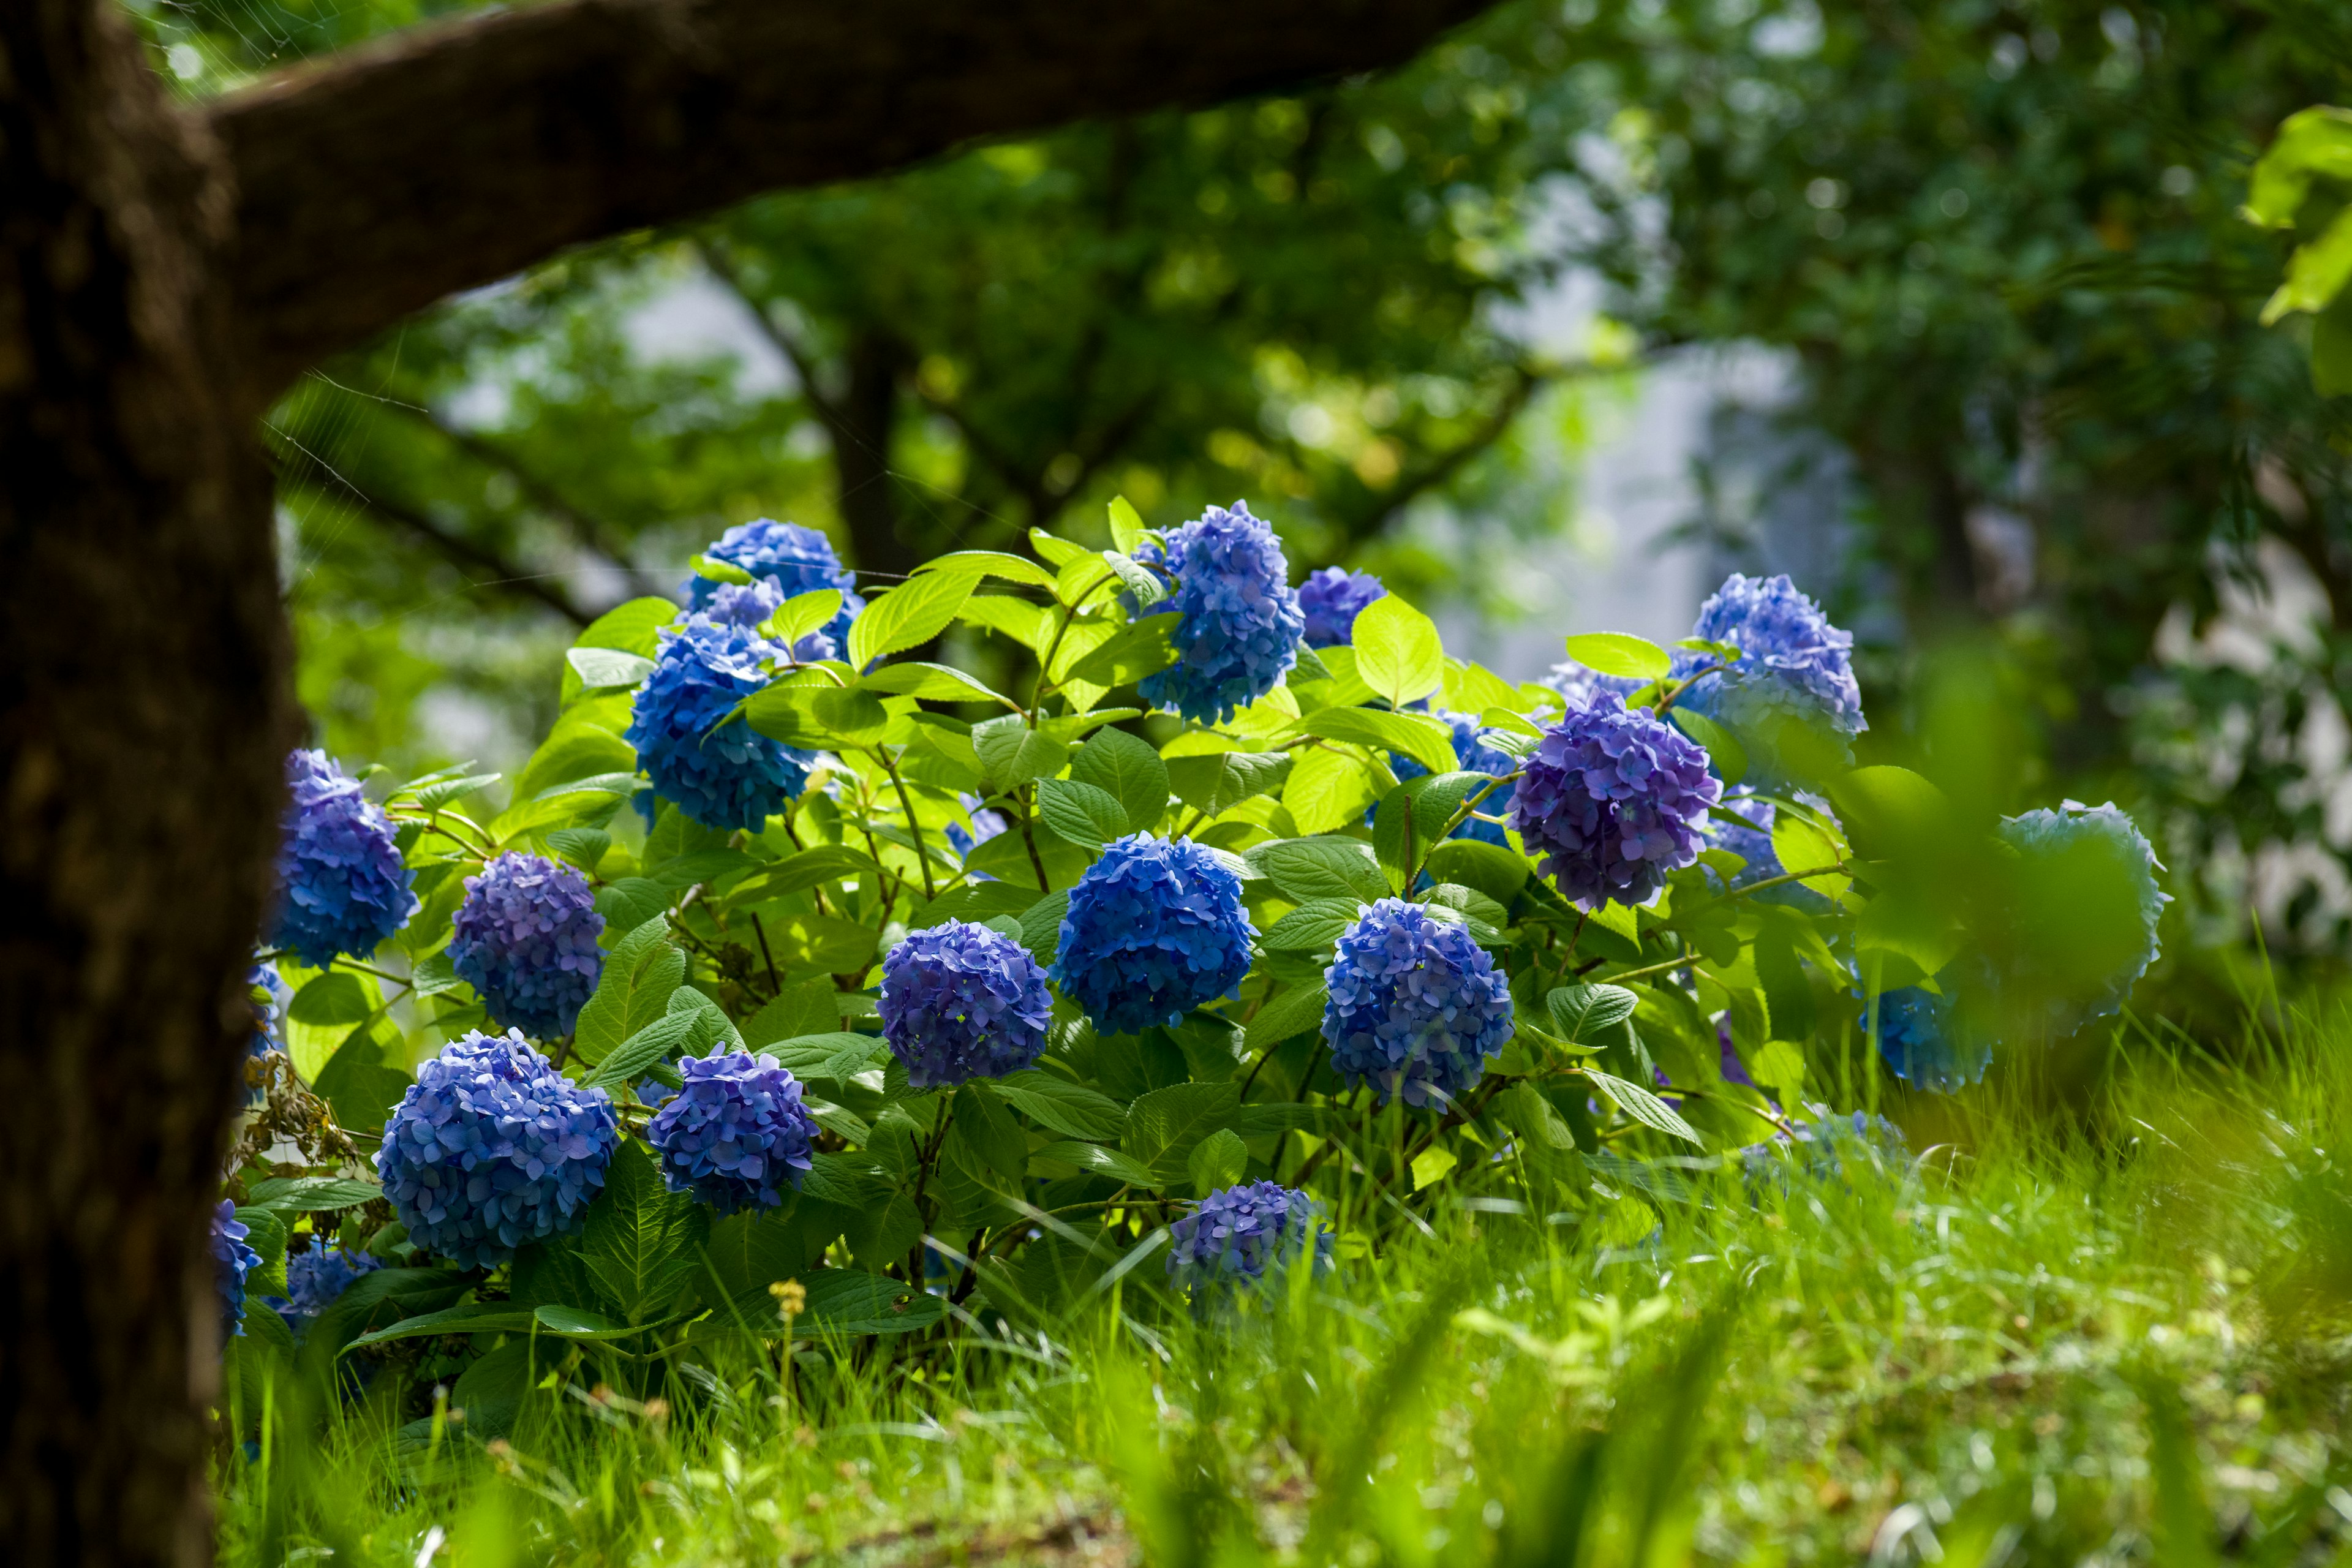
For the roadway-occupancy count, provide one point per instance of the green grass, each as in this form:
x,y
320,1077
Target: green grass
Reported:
x,y
2100,1322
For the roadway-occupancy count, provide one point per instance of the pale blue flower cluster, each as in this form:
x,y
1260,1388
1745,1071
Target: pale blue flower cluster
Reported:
x,y
736,1134
717,771
785,561
492,1149
316,1279
1791,698
270,999
1238,621
1155,929
526,939
1472,755
1415,1008
959,1002
1611,801
1237,1235
232,1261
2082,845
1331,599
1576,684
1924,1042
342,888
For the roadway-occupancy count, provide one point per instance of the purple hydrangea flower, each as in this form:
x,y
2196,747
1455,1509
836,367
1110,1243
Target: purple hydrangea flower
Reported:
x,y
315,1279
1471,754
1791,698
1576,684
492,1149
1611,801
791,559
2083,925
736,1134
1237,1235
1238,621
1155,929
961,1001
232,1261
1331,599
341,886
718,770
1925,1043
526,939
1416,1007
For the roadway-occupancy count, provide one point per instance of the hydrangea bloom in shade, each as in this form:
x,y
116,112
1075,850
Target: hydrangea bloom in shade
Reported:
x,y
1238,1234
1612,800
736,1134
1237,619
492,1149
1472,755
526,939
1751,839
1415,1008
1923,1043
232,1261
1831,1146
1155,929
2081,925
1792,697
961,1001
1331,599
726,777
315,1279
341,886
794,560
270,999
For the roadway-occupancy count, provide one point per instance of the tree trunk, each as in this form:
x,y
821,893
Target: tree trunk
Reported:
x,y
143,719
863,418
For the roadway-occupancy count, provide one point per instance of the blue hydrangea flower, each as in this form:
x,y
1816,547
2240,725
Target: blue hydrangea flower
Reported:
x,y
736,1134
1331,599
232,1261
341,886
1155,929
1751,839
1238,621
270,999
720,773
1576,684
1471,754
492,1149
1416,1009
793,560
526,939
961,1001
1614,800
1832,1146
315,1279
1791,698
1925,1043
2083,928
1237,1235
749,604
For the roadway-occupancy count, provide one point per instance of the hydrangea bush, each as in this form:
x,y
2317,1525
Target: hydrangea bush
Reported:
x,y
1244,921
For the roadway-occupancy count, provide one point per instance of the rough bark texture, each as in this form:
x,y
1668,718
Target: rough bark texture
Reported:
x,y
447,157
140,728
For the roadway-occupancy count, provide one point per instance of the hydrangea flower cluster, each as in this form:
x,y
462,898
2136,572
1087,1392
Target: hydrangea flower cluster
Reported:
x,y
1155,929
1416,1007
232,1261
1611,801
722,775
1925,1043
788,560
315,1279
341,886
492,1149
1238,621
1576,684
1472,754
526,939
1751,839
736,1133
270,999
960,1001
2074,852
1331,599
1238,1234
1832,1146
1792,690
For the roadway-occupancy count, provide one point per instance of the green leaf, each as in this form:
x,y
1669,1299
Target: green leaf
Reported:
x,y
1620,654
1398,652
1060,1106
929,682
804,612
804,1009
851,1301
642,971
1104,1162
1080,813
2316,272
1041,925
1642,1106
989,563
1217,1161
1529,1115
1801,846
605,667
1312,926
2331,349
1140,581
1484,916
833,1054
641,1240
473,1318
1127,530
909,616
1013,753
1330,867
1438,797
1781,1066
630,1060
1581,1014
1141,647
718,571
1891,812
1217,781
682,871
1492,869
360,1086
1127,769
1163,1126
986,1128
440,793
809,869
314,1194
1426,740
584,847
575,1323
1327,790
1730,758
337,997
628,902
2310,143
1292,1012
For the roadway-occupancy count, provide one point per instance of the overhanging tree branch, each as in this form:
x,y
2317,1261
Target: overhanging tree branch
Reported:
x,y
447,156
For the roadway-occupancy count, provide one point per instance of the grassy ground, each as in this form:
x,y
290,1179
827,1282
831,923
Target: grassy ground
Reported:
x,y
2088,1324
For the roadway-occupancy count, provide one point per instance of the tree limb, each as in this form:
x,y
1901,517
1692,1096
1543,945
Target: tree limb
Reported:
x,y
447,156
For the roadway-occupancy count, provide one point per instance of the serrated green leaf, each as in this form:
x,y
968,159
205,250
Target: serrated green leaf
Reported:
x,y
1642,1106
1214,782
1041,925
1399,654
640,974
605,667
1080,813
801,614
1426,740
1583,1012
909,616
641,1240
1104,1162
1060,1106
1312,926
1292,1012
1013,753
1128,770
1217,1161
1163,1126
1723,748
930,683
1333,868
